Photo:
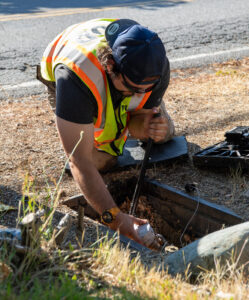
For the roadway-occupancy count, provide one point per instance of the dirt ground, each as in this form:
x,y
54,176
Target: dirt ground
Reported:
x,y
204,103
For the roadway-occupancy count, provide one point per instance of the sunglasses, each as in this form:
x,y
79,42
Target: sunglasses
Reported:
x,y
138,90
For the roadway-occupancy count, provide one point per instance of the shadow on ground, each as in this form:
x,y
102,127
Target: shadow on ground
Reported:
x,y
30,6
9,196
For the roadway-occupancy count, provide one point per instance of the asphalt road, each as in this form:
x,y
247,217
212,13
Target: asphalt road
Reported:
x,y
195,33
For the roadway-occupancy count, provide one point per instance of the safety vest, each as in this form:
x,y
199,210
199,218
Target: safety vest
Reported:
x,y
76,48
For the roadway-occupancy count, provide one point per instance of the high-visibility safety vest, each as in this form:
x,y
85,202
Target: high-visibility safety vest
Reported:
x,y
76,48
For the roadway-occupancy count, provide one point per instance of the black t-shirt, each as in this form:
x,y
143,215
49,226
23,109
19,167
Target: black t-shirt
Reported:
x,y
76,103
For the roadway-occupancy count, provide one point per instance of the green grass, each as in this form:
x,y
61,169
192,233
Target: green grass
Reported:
x,y
54,288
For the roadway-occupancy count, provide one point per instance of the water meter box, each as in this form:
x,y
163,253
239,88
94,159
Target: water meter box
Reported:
x,y
173,210
233,153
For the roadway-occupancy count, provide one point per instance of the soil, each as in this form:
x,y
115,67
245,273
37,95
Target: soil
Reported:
x,y
204,103
145,210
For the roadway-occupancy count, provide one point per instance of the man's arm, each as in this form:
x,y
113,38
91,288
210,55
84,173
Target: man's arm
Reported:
x,y
88,177
81,163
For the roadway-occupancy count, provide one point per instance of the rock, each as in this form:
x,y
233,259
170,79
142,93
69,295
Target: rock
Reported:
x,y
246,194
5,208
230,243
30,226
62,229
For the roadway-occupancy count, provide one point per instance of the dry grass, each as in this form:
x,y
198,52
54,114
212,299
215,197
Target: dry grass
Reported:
x,y
107,270
207,105
204,104
159,285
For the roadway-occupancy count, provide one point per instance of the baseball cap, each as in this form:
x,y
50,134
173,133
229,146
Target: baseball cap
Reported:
x,y
138,52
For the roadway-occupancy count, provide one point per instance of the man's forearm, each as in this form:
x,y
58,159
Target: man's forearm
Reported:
x,y
92,185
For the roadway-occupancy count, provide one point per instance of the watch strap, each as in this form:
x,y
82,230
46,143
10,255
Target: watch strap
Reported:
x,y
114,212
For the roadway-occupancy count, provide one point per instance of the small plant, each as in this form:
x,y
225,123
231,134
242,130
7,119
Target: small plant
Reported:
x,y
228,72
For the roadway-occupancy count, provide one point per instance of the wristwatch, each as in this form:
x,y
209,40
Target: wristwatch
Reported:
x,y
109,215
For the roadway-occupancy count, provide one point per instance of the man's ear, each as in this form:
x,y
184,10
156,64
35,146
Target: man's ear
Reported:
x,y
110,65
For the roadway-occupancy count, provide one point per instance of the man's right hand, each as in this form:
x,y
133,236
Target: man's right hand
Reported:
x,y
124,223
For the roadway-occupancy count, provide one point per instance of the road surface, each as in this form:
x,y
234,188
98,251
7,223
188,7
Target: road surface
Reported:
x,y
195,33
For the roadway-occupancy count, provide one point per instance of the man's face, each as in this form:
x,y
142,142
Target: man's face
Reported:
x,y
128,88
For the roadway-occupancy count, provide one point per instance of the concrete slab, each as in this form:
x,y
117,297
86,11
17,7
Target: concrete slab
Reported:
x,y
230,244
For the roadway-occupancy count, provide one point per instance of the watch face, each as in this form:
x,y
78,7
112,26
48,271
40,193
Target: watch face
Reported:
x,y
107,217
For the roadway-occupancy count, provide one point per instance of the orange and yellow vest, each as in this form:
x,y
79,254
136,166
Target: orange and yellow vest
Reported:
x,y
76,48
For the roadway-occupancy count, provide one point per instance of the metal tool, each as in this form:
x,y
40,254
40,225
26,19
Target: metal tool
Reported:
x,y
139,184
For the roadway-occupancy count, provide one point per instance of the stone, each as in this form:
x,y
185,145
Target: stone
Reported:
x,y
231,243
246,194
30,226
62,229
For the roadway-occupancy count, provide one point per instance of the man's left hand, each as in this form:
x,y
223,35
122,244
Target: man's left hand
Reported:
x,y
143,125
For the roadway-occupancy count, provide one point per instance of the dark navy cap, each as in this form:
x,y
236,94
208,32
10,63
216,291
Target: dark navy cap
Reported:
x,y
138,52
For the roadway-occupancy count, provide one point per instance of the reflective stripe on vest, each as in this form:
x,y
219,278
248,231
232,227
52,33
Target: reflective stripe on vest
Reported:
x,y
76,48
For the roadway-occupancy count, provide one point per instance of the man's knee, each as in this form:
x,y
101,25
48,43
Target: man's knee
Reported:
x,y
171,126
104,161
